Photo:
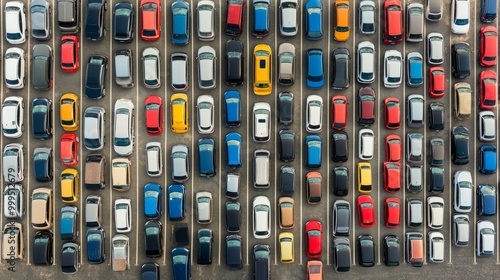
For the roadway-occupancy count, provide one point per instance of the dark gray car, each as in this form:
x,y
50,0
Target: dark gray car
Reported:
x,y
41,67
40,14
436,151
341,218
68,15
340,62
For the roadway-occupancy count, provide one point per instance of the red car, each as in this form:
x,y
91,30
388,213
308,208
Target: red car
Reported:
x,y
393,22
154,114
392,176
70,49
393,148
339,112
235,17
437,80
150,20
488,46
366,106
68,149
392,210
392,114
366,211
488,90
313,239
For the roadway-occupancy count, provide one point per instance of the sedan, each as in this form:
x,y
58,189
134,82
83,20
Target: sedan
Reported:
x,y
314,231
123,22
460,145
153,239
68,149
437,81
392,113
70,53
207,157
181,264
314,113
286,147
154,115
13,163
96,76
393,148
41,118
366,211
180,22
41,67
205,107
13,117
488,90
150,20
392,176
339,112
233,146
43,164
176,197
314,20
488,46
315,74
392,212
153,201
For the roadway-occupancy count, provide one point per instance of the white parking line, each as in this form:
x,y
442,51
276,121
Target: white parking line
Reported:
x,y
378,100
81,97
166,107
276,160
301,152
450,171
328,134
137,148
193,108
221,106
249,152
475,107
353,140
111,117
27,166
56,108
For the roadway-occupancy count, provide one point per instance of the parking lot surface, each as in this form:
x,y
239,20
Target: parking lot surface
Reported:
x,y
459,261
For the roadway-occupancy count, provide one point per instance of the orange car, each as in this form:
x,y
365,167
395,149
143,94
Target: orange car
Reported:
x,y
313,187
150,20
314,270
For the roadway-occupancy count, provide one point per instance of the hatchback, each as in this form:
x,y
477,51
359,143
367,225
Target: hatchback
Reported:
x,y
486,200
414,69
436,246
461,230
463,186
70,185
487,126
392,176
340,146
94,128
42,248
393,148
154,114
40,14
123,215
488,46
13,117
153,197
366,62
391,250
341,254
96,245
41,118
485,239
393,69
366,211
150,20
261,217
14,64
205,107
314,113
43,164
313,151
205,240
435,212
15,22
204,207
314,236
69,111
487,159
341,67
41,67
460,145
339,112
415,111
366,106
176,197
414,148
261,122
434,10
207,157
286,243
392,113
287,180
154,162
95,18
206,11
13,199
68,149
233,217
153,239
124,68
415,22
460,58
437,151
96,76
364,177
180,77
288,14
342,22
392,212
488,90
123,132
436,116
207,63
235,58
233,147
286,147
285,108
314,20
341,218
232,106
314,270
460,16
366,143
314,187
234,252
151,67
180,163
286,208
366,247
367,17
393,22
286,64
179,113
70,253
69,222
437,80
123,22
435,48
261,20
262,75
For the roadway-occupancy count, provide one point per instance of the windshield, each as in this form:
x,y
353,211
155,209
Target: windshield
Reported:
x,y
151,194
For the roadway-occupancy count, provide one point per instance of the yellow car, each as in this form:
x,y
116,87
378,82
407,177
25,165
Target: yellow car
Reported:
x,y
286,247
69,111
69,185
364,177
179,113
342,24
262,76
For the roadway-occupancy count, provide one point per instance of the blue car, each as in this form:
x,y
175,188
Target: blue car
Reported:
x,y
43,164
153,201
233,145
489,10
314,20
181,264
41,118
315,74
261,18
313,151
488,159
232,104
69,223
414,69
206,157
486,200
176,196
96,244
180,22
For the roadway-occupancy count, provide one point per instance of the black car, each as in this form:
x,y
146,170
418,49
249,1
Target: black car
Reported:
x,y
233,216
43,164
205,240
235,62
285,108
123,22
150,271
436,179
460,60
340,73
95,76
340,147
340,181
234,252
153,239
366,252
341,254
41,118
460,145
262,262
42,248
287,180
391,250
70,258
436,116
96,245
41,67
94,20
287,140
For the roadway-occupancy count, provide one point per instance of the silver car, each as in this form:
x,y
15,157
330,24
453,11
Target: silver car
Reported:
x,y
207,61
205,108
288,17
123,134
180,163
13,201
204,207
487,126
12,117
40,14
151,67
286,64
94,128
206,20
14,68
414,148
341,218
13,163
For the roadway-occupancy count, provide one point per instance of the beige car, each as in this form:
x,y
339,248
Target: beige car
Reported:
x,y
41,208
286,64
463,97
12,241
121,174
286,208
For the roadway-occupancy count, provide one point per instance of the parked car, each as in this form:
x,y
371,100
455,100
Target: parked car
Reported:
x,y
286,242
207,67
366,211
205,11
14,67
435,212
96,76
314,187
70,253
486,200
13,199
315,70
393,148
261,21
339,112
435,48
366,105
485,239
341,218
180,163
94,128
392,212
235,58
460,16
366,253
13,116
288,14
285,108
124,68
262,261
150,271
462,185
261,122
233,147
488,89
43,247
365,62
261,217
286,209
460,145
124,127
153,201
204,207
286,147
314,113
341,254
153,239
13,163
179,79
414,69
314,237
314,20
96,245
393,68
16,31
151,67
154,114
436,247
262,75
120,252
488,45
313,151
207,157
340,179
392,176
487,159
150,19
234,252
286,64
69,20
233,217
95,18
392,113
176,197
205,240
391,250
436,116
123,22
487,126
460,58
40,14
393,22
341,67
437,80
340,146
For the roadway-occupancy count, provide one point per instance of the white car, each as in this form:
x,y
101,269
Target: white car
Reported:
x,y
393,69
15,22
435,212
462,184
206,20
314,113
123,134
123,215
485,238
261,217
121,252
366,63
261,122
366,144
154,159
436,246
207,61
13,201
367,17
288,17
13,163
435,48
487,126
205,107
14,68
460,16
204,207
151,67
12,117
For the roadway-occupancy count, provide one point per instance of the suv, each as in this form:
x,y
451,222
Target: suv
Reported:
x,y
94,21
95,76
94,128
124,68
68,15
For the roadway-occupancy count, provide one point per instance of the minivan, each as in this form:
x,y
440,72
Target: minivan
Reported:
x,y
414,178
41,208
489,10
415,22
461,230
154,161
94,172
261,169
93,211
124,68
179,70
415,212
415,248
415,107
